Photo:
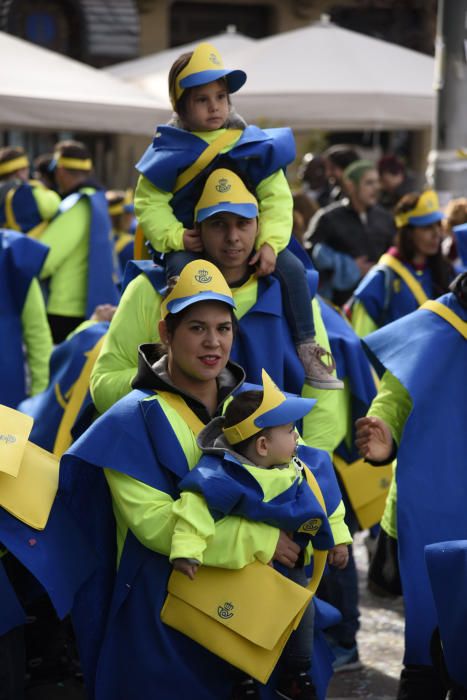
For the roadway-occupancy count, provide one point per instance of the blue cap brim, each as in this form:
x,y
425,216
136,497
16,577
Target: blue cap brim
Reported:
x,y
248,211
177,305
427,219
289,411
235,78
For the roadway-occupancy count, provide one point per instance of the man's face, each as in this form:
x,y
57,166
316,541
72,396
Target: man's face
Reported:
x,y
228,240
366,191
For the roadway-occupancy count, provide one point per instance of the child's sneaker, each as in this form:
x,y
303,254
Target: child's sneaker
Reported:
x,y
296,686
317,373
346,659
247,689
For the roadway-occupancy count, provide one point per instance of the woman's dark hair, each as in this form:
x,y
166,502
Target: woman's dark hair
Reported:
x,y
441,269
341,155
240,408
178,65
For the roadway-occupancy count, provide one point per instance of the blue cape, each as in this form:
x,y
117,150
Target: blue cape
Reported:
x,y
101,287
386,297
136,438
25,209
428,356
58,557
66,363
257,154
21,259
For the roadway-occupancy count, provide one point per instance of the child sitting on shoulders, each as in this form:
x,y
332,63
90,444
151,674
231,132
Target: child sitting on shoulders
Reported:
x,y
205,131
258,436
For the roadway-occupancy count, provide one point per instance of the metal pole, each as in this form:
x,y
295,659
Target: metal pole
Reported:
x,y
447,169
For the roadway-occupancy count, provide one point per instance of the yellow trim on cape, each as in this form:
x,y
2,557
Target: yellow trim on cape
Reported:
x,y
179,404
207,156
414,286
448,314
10,219
77,396
123,241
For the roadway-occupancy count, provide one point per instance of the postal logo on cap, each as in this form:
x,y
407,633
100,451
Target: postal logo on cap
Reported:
x,y
223,185
213,58
203,277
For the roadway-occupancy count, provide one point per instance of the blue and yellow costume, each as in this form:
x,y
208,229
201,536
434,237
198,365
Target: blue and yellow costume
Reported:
x,y
22,317
429,508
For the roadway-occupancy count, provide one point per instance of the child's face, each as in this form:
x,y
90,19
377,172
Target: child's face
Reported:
x,y
281,444
207,107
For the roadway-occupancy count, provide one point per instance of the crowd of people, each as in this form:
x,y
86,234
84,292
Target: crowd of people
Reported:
x,y
190,397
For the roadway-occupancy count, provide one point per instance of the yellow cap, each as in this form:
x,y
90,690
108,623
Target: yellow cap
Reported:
x,y
225,191
200,280
205,66
275,409
426,212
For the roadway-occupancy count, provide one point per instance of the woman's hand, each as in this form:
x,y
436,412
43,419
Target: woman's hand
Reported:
x,y
373,439
338,556
287,550
192,240
265,259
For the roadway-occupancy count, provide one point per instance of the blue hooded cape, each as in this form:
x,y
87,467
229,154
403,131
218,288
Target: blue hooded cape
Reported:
x,y
428,356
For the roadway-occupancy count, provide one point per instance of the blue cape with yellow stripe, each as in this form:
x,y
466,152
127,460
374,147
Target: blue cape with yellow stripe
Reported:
x,y
66,363
257,154
136,438
24,207
386,297
21,259
428,356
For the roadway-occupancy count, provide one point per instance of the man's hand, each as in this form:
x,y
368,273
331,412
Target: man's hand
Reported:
x,y
373,439
287,550
103,312
186,566
338,556
265,259
192,240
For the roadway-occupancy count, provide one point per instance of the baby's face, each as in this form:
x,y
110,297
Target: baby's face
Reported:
x,y
282,443
207,107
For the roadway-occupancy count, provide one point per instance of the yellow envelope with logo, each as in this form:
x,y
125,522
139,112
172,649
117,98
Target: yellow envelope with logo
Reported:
x,y
28,474
245,616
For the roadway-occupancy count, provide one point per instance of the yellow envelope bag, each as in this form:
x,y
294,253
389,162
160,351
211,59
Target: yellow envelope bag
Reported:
x,y
367,488
245,616
28,474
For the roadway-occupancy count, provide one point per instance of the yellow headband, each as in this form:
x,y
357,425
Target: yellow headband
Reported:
x,y
11,166
115,209
73,163
426,211
272,398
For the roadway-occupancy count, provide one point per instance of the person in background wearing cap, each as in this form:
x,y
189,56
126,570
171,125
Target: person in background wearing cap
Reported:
x,y
25,340
145,444
419,416
79,267
411,272
207,134
228,230
25,205
348,237
257,434
121,211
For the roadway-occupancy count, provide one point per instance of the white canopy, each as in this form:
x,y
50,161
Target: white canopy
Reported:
x,y
326,77
43,89
150,72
